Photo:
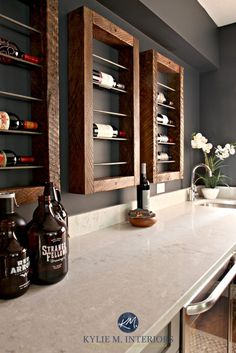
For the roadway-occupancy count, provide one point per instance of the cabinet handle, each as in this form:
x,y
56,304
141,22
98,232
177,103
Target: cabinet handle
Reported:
x,y
209,302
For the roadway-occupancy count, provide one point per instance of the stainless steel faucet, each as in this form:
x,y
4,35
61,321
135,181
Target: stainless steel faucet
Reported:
x,y
193,188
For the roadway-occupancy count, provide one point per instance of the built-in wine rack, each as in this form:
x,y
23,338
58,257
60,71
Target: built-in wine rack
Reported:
x,y
102,164
159,74
42,99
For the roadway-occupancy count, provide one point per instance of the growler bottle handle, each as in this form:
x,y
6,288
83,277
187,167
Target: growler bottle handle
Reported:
x,y
58,195
16,204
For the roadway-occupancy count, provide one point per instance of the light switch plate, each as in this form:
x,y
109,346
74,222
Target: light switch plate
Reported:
x,y
160,188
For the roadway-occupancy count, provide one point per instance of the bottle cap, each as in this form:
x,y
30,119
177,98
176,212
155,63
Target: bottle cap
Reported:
x,y
7,202
143,168
7,195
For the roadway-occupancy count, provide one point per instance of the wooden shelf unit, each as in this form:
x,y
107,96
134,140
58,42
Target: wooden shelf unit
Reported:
x,y
45,109
160,74
85,26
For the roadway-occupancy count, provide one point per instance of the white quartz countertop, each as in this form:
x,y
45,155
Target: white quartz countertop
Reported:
x,y
151,272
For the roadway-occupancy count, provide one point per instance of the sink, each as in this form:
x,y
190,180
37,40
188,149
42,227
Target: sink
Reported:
x,y
217,203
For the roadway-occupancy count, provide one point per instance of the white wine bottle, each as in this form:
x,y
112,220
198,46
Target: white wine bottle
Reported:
x,y
107,131
163,119
105,80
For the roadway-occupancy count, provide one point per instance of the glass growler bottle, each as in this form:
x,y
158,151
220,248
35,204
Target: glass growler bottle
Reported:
x,y
7,211
14,263
47,244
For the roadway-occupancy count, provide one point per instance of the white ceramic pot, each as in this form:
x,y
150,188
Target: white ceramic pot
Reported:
x,y
210,193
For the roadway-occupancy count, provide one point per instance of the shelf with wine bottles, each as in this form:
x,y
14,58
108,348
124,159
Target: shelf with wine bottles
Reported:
x,y
88,31
43,99
161,97
19,24
166,106
21,167
114,89
165,86
18,61
109,163
110,62
20,132
17,96
109,113
111,138
167,125
165,162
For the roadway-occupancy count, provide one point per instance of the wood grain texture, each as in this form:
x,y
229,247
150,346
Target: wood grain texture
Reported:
x,y
80,30
25,195
113,183
109,33
129,103
167,65
148,98
154,67
44,85
168,176
83,26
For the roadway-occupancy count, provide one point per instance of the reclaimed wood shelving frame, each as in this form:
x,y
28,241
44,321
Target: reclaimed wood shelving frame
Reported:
x,y
85,25
153,67
44,99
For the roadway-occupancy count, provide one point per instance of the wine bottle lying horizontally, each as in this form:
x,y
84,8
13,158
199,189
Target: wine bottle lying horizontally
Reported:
x,y
105,80
11,121
10,159
107,131
10,48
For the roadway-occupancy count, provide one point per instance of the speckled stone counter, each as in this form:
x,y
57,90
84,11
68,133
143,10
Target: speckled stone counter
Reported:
x,y
151,272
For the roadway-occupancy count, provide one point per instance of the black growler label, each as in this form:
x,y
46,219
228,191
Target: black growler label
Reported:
x,y
50,261
53,254
14,275
19,267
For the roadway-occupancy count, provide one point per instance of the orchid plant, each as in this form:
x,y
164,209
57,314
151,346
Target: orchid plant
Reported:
x,y
214,157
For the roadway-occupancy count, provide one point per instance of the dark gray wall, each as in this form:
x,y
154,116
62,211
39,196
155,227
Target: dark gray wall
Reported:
x,y
218,98
181,26
81,203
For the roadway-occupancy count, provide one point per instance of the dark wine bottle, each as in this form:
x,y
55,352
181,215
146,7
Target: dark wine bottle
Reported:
x,y
10,48
105,80
14,263
12,121
143,190
9,158
8,212
107,131
48,245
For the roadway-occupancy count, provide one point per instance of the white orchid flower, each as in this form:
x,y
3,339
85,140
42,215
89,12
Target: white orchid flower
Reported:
x,y
207,147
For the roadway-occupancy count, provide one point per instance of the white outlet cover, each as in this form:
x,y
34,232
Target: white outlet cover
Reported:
x,y
160,188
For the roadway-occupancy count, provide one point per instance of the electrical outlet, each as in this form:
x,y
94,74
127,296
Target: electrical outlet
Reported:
x,y
160,188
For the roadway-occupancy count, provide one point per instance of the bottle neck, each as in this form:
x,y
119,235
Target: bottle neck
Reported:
x,y
50,190
143,170
7,229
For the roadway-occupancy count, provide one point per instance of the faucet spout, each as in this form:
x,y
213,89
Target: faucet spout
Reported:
x,y
192,191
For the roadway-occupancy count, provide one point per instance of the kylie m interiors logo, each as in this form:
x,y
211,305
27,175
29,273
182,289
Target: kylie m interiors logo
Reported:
x,y
128,323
